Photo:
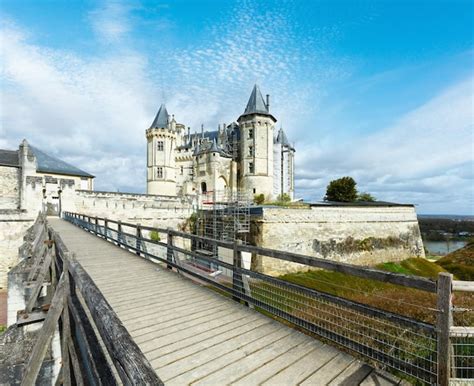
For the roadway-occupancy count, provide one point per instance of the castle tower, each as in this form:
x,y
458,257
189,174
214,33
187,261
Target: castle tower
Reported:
x,y
283,166
161,166
256,145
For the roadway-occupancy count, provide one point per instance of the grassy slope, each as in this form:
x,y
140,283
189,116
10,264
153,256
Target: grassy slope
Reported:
x,y
460,262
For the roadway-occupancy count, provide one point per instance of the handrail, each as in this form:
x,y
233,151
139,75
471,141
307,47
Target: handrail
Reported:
x,y
399,342
73,297
420,283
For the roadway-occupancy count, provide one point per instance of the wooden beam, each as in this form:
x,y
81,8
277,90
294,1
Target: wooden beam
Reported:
x,y
44,338
460,285
444,322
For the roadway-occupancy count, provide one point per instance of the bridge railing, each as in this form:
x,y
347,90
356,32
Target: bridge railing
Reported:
x,y
420,350
95,346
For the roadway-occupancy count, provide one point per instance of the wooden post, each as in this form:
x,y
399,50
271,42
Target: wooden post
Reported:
x,y
106,226
96,225
169,250
138,244
66,326
119,233
444,322
236,276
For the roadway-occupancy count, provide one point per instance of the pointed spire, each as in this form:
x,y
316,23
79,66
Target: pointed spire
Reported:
x,y
162,118
256,103
283,139
214,148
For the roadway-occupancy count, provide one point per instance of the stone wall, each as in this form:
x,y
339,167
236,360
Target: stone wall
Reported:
x,y
13,225
150,210
9,187
363,235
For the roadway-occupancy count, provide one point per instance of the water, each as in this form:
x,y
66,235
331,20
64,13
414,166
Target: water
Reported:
x,y
442,247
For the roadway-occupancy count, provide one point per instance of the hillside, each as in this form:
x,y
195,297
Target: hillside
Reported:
x,y
460,262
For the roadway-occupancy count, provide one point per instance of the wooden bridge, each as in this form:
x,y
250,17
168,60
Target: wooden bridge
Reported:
x,y
135,310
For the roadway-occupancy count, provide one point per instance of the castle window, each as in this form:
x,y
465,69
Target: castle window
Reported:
x,y
159,172
159,146
250,133
251,167
251,151
182,170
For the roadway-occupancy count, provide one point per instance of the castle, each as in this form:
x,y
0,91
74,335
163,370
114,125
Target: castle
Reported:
x,y
246,155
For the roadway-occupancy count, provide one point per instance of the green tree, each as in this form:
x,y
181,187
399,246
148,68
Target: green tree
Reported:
x,y
365,197
341,190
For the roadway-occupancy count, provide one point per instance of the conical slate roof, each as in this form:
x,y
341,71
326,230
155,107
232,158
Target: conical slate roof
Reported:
x,y
282,139
256,103
161,119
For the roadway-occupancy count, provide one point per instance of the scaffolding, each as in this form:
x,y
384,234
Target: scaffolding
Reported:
x,y
223,215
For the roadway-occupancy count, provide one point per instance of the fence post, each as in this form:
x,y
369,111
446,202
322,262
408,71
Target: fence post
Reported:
x,y
444,322
138,244
169,250
96,225
106,226
237,276
119,233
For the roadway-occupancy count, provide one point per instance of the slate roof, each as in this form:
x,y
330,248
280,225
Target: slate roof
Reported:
x,y
9,158
256,103
50,164
282,138
161,119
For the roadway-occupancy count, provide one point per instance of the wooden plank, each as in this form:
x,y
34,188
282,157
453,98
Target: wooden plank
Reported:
x,y
352,375
47,330
377,378
76,368
329,371
461,331
300,370
127,357
460,285
269,369
183,334
203,363
232,371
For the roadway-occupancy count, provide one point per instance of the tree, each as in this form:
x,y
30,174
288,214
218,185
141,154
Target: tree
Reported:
x,y
365,197
342,190
284,197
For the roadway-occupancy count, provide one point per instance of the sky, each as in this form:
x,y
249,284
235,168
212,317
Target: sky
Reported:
x,y
382,91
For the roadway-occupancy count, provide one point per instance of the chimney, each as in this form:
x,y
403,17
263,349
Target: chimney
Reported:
x,y
268,102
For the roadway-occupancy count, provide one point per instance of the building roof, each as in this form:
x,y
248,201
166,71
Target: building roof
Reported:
x,y
50,164
9,158
256,103
161,119
282,139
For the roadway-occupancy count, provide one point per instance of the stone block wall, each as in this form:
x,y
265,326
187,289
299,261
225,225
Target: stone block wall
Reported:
x,y
13,225
9,187
363,235
157,211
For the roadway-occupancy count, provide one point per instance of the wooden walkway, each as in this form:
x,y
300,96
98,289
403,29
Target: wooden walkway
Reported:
x,y
193,335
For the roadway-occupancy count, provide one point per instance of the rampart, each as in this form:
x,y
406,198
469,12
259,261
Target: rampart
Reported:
x,y
363,235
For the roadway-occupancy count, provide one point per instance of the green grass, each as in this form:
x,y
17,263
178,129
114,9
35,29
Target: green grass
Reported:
x,y
414,266
460,263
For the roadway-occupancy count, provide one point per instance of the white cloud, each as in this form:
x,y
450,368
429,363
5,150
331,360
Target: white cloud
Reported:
x,y
111,21
426,157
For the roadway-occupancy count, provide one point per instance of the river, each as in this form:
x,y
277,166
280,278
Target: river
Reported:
x,y
442,247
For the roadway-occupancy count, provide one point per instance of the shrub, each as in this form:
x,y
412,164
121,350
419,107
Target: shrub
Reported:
x,y
155,236
365,197
284,197
259,199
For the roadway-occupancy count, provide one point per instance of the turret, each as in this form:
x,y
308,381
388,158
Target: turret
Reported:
x,y
161,167
256,145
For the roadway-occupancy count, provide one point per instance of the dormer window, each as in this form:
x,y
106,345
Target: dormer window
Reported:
x,y
159,146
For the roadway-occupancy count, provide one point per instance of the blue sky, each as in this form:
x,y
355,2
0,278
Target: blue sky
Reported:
x,y
379,90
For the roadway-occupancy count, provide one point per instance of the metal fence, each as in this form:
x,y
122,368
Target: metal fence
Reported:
x,y
416,350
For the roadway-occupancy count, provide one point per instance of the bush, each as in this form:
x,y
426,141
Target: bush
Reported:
x,y
341,190
365,197
259,199
284,197
155,236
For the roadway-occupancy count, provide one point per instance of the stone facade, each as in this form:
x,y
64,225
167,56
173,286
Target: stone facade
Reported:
x,y
9,187
362,235
246,155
